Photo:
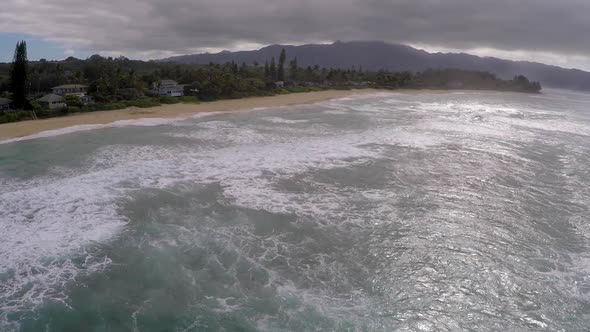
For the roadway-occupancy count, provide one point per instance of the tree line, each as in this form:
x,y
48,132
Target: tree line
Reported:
x,y
119,82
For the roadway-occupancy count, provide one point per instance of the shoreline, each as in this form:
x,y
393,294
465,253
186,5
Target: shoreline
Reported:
x,y
31,129
22,129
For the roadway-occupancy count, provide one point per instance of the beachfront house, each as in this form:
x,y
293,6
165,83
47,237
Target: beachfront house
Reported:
x,y
4,105
168,88
70,89
52,101
77,90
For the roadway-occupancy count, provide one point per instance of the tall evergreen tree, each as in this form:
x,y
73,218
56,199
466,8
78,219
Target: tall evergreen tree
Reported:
x,y
18,76
294,69
282,59
266,70
234,68
244,69
273,69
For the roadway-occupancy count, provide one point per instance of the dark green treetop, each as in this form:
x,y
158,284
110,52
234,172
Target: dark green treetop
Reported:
x,y
273,69
282,59
19,76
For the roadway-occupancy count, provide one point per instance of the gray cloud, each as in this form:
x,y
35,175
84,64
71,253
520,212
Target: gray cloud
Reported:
x,y
157,27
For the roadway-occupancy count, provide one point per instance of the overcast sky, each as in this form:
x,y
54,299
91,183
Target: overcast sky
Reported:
x,y
550,31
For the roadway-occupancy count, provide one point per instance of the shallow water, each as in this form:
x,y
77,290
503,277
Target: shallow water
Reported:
x,y
409,212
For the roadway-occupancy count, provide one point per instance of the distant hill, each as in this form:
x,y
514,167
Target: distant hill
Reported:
x,y
394,57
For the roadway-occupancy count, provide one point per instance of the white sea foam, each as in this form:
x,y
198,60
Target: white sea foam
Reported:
x,y
43,228
563,125
53,218
216,124
56,132
335,112
276,119
231,135
143,122
205,114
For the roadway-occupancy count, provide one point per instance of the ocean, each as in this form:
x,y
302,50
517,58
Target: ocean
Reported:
x,y
382,212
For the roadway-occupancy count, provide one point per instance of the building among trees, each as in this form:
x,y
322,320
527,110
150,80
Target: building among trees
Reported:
x,y
52,101
70,89
168,88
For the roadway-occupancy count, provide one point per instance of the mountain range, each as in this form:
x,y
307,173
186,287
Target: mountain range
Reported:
x,y
375,55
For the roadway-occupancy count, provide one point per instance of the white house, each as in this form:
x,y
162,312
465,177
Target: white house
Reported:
x,y
77,90
168,88
70,89
52,101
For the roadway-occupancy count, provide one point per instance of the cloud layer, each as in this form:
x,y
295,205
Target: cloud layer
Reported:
x,y
163,27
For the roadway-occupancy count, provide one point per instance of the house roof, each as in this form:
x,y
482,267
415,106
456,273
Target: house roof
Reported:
x,y
173,88
51,98
70,86
168,83
4,101
169,87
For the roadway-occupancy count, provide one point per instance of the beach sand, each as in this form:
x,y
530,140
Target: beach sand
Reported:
x,y
26,128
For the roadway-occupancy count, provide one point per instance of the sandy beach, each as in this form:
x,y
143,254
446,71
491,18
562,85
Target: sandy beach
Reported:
x,y
26,128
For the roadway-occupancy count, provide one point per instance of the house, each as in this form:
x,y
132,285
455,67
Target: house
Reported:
x,y
164,83
70,89
168,88
52,101
78,90
4,105
279,84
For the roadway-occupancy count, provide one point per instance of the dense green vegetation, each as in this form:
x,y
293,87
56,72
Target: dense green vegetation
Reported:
x,y
117,83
